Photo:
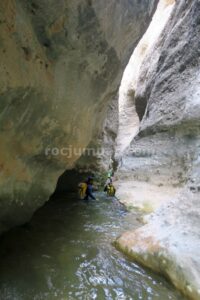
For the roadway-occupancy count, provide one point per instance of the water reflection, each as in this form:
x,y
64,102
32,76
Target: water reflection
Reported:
x,y
66,253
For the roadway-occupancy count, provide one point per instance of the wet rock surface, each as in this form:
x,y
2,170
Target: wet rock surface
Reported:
x,y
166,152
61,64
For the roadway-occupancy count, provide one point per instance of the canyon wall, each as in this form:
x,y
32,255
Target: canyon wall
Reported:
x,y
128,117
166,154
61,65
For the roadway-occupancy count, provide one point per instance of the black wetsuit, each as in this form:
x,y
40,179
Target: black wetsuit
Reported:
x,y
89,192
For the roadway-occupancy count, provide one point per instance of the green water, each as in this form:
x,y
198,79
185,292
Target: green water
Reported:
x,y
66,253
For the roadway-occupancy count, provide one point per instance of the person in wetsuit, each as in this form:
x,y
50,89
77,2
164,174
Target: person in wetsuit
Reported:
x,y
89,190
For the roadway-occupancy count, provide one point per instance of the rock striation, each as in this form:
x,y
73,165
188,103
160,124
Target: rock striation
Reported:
x,y
61,65
166,153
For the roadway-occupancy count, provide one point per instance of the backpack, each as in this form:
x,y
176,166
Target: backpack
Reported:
x,y
82,187
110,190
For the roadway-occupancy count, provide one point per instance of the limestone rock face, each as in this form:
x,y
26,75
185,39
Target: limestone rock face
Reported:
x,y
128,117
61,64
167,149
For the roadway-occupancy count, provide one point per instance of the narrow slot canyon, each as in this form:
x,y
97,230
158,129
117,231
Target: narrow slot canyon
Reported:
x,y
99,150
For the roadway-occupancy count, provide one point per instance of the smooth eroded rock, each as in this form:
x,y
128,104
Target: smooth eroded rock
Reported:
x,y
61,64
166,152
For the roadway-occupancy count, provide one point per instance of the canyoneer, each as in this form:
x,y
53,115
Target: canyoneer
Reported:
x,y
85,189
89,190
109,187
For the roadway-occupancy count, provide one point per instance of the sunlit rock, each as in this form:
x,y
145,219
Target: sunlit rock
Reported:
x,y
165,153
61,65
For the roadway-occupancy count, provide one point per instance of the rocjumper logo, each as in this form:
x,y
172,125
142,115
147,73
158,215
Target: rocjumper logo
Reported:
x,y
71,151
